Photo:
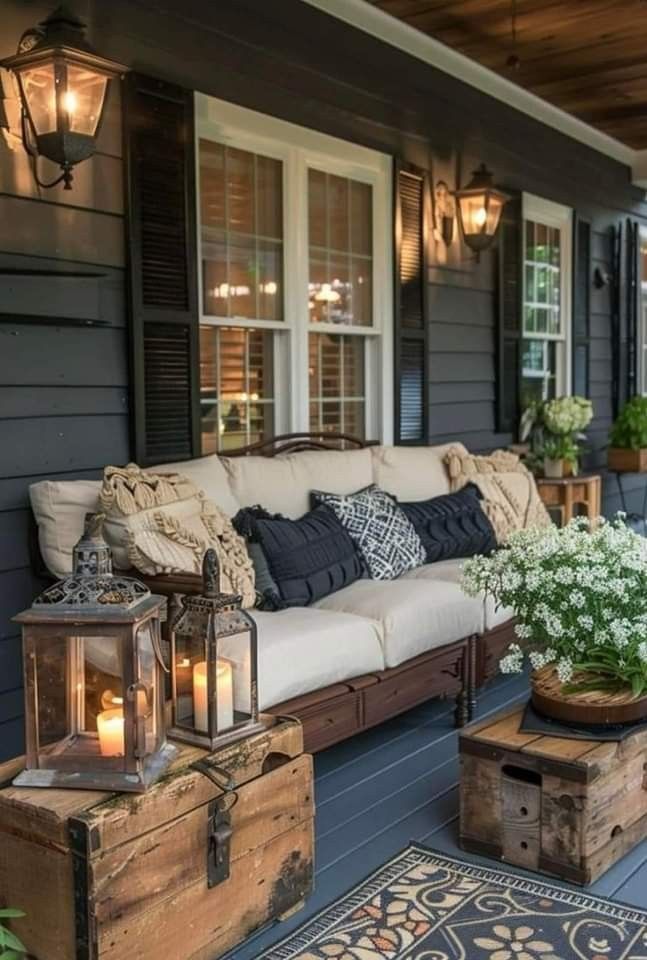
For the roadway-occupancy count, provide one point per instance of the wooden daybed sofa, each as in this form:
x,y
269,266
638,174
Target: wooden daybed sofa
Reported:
x,y
373,649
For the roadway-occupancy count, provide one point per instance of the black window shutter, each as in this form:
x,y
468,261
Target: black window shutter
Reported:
x,y
633,253
581,305
510,291
412,207
159,155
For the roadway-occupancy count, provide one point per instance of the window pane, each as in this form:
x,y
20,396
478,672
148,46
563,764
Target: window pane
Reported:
x,y
361,218
236,387
317,222
539,374
337,387
240,191
338,213
269,197
543,359
241,207
340,232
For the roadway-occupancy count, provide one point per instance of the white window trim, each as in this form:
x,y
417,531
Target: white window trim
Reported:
x,y
299,149
560,217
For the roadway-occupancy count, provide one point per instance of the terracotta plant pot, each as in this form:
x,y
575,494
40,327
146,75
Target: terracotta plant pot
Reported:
x,y
590,708
621,460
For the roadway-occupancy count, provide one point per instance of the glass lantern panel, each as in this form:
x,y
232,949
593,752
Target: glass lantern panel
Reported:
x,y
38,86
190,682
233,671
83,99
146,693
80,706
98,719
493,215
52,708
473,213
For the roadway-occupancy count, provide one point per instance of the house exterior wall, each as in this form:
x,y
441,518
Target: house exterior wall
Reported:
x,y
64,383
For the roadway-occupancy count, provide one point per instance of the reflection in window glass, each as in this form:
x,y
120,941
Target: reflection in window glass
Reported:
x,y
241,211
337,384
544,343
340,229
236,387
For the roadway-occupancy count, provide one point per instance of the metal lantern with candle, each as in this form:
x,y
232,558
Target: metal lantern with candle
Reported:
x,y
480,206
94,678
213,666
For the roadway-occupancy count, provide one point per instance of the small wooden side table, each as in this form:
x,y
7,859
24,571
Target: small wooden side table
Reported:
x,y
567,808
565,492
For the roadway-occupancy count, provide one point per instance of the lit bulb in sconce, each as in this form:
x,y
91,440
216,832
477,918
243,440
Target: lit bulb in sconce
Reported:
x,y
70,102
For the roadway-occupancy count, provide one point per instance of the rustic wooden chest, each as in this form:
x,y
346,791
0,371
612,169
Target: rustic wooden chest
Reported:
x,y
218,847
568,808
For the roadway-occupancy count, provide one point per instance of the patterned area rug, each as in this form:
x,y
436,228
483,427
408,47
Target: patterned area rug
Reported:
x,y
425,906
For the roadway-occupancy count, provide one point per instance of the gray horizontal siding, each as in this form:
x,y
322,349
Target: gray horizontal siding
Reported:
x,y
63,359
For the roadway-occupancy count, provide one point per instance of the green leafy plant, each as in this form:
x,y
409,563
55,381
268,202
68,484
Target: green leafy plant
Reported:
x,y
554,429
11,948
630,428
580,599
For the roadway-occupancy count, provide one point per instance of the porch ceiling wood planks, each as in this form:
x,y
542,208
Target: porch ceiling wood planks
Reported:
x,y
584,56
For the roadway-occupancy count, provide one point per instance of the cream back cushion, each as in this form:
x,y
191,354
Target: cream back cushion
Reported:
x,y
208,474
412,473
283,484
59,508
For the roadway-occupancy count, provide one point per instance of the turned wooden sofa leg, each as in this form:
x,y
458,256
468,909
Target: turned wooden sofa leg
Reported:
x,y
461,710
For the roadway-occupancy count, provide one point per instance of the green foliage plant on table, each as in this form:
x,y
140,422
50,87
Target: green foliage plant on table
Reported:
x,y
11,948
580,600
629,432
555,429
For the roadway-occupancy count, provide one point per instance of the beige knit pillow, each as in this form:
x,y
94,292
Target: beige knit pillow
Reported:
x,y
162,523
510,496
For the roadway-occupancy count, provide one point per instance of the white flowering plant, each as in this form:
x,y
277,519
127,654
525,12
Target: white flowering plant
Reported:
x,y
580,599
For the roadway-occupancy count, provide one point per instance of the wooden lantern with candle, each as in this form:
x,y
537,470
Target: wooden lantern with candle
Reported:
x,y
213,666
94,678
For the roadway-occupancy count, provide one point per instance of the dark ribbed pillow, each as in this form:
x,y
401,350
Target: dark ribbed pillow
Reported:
x,y
453,525
304,560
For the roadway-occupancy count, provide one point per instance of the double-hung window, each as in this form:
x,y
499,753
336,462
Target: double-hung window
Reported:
x,y
547,280
296,275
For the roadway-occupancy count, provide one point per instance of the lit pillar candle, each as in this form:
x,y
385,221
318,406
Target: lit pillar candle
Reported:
x,y
224,695
110,724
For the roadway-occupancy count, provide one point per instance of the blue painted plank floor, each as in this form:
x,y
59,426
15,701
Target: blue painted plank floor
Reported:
x,y
396,783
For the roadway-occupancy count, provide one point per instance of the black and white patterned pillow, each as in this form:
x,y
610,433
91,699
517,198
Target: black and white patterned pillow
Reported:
x,y
382,531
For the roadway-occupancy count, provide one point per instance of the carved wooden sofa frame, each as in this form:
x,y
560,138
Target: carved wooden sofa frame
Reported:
x,y
341,710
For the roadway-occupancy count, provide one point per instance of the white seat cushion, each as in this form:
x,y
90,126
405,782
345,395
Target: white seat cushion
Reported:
x,y
452,571
208,474
302,649
283,484
415,615
412,473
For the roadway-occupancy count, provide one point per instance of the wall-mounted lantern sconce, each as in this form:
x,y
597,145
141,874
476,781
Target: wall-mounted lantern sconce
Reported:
x,y
63,85
479,209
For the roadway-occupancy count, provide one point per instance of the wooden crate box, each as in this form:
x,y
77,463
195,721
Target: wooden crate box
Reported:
x,y
126,876
567,808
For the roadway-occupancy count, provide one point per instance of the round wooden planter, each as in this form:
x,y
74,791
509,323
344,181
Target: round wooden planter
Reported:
x,y
595,707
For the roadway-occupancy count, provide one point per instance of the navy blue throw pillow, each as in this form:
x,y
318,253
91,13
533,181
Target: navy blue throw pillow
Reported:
x,y
301,560
453,525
